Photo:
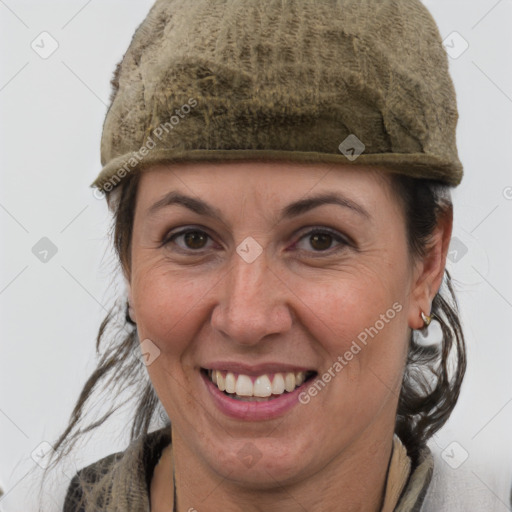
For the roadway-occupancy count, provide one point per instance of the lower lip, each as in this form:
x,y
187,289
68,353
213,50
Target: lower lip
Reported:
x,y
252,411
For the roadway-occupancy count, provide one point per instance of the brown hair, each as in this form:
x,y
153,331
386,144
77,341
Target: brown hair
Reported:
x,y
429,389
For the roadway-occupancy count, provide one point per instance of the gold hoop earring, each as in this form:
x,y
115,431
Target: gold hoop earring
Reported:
x,y
431,333
426,319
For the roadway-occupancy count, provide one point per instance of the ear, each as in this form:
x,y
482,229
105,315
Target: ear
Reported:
x,y
429,271
131,311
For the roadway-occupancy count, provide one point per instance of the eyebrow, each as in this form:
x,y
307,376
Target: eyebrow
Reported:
x,y
292,210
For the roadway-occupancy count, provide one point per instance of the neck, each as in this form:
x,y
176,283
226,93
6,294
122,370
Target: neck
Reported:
x,y
353,481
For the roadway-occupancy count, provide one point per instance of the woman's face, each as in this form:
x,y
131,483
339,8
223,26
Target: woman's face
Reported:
x,y
239,268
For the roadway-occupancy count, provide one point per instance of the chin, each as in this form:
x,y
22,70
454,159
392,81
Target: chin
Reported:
x,y
261,463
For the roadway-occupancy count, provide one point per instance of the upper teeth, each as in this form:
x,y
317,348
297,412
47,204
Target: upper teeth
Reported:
x,y
263,386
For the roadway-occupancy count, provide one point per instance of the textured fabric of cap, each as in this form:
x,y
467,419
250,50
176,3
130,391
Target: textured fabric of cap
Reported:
x,y
359,82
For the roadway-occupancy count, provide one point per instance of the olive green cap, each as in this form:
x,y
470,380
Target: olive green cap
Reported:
x,y
359,82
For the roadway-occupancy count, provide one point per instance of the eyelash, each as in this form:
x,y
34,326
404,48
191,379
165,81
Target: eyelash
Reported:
x,y
335,235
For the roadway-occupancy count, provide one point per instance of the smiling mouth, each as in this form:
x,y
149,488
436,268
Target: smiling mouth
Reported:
x,y
261,388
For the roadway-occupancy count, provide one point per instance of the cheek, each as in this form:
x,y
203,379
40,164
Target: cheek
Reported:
x,y
168,308
167,304
360,324
363,331
359,306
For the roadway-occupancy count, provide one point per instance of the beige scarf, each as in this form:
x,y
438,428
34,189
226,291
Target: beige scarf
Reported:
x,y
398,474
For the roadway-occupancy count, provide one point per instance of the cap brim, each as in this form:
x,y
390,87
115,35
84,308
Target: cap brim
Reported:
x,y
416,165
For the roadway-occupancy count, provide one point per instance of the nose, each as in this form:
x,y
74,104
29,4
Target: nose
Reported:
x,y
253,302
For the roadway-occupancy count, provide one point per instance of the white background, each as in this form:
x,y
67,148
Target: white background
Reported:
x,y
51,115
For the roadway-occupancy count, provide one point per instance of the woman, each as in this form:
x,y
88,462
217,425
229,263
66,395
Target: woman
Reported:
x,y
279,174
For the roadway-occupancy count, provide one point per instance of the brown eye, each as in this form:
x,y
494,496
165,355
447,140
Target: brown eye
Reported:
x,y
322,240
193,239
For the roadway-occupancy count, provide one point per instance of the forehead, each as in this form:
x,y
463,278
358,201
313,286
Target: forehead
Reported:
x,y
256,181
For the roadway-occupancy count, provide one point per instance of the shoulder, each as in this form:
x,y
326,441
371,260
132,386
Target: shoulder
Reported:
x,y
440,483
126,474
466,487
86,479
